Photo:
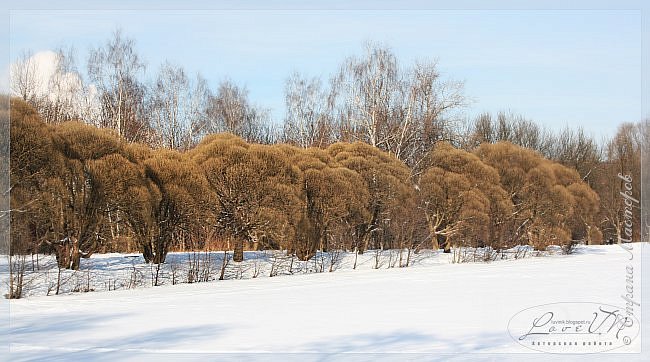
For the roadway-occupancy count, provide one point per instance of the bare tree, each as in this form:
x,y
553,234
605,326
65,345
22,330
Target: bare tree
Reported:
x,y
404,111
645,191
623,157
57,90
421,115
230,111
308,119
5,203
512,128
64,88
481,131
170,102
199,102
25,78
576,149
368,89
5,187
115,69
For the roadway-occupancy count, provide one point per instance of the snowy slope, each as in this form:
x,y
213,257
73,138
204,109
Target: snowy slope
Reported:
x,y
428,310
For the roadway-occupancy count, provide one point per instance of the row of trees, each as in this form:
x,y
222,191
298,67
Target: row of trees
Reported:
x,y
371,98
598,163
173,109
153,174
81,189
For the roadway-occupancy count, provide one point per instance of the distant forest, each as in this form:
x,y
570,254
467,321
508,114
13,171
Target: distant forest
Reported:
x,y
377,157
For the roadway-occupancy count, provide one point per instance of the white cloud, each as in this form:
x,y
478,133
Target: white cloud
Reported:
x,y
43,76
45,63
33,73
43,68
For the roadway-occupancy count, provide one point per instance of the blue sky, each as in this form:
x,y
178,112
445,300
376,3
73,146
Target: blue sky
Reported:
x,y
558,67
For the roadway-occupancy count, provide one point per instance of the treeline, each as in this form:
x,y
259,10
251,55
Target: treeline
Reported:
x,y
378,156
373,98
600,164
403,109
78,189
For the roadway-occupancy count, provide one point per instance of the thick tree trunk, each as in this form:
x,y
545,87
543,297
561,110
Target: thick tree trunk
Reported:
x,y
154,253
364,243
305,254
147,252
238,254
67,253
160,257
434,243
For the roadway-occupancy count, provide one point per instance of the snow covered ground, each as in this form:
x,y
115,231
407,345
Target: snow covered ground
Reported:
x,y
107,272
433,310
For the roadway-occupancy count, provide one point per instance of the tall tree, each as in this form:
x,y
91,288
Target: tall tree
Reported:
x,y
402,110
425,103
26,80
198,111
623,157
116,69
230,110
308,120
367,89
170,107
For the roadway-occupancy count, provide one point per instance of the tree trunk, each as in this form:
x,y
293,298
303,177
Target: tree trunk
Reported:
x,y
67,254
155,254
364,244
160,257
147,252
434,243
223,265
238,254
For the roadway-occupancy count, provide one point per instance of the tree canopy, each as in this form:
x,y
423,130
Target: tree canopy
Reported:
x,y
81,189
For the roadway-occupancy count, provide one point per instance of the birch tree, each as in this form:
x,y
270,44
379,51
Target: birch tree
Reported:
x,y
26,81
308,122
230,110
170,98
400,109
115,69
368,90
